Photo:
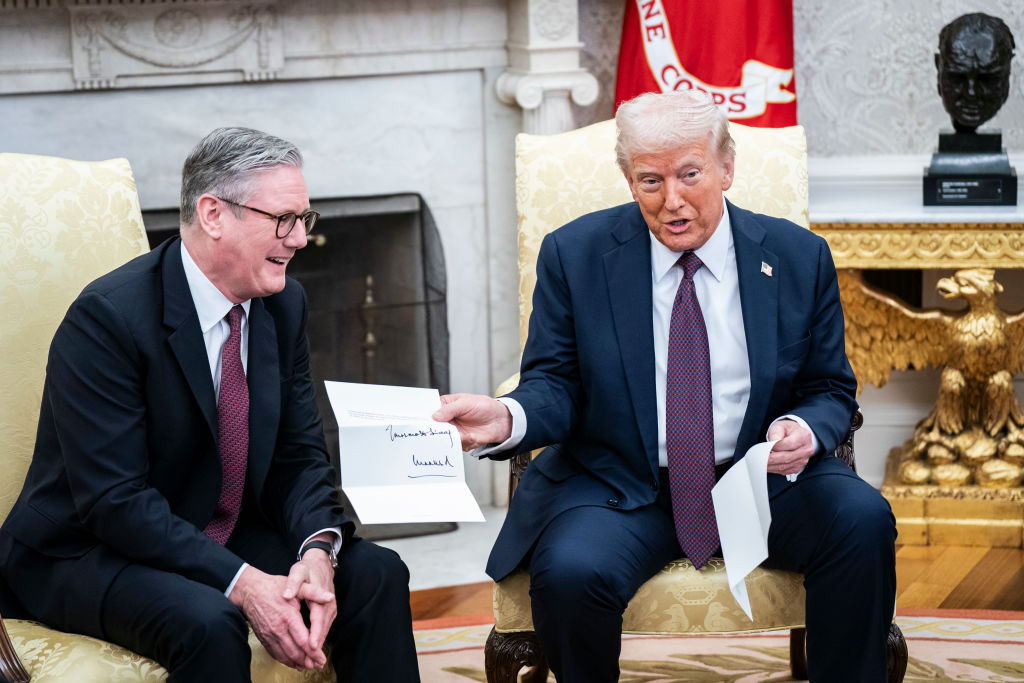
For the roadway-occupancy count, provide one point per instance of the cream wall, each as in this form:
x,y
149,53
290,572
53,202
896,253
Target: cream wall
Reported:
x,y
865,75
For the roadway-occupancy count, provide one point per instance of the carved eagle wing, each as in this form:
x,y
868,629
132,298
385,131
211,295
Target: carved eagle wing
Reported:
x,y
1015,335
883,333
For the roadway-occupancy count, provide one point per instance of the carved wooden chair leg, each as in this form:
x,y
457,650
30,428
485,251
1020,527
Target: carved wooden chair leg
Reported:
x,y
11,669
798,653
897,654
505,654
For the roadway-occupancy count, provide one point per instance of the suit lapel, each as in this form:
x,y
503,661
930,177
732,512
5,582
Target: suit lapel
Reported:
x,y
628,273
264,379
186,339
759,301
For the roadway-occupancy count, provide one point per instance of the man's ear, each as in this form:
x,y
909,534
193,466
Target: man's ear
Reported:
x,y
210,215
727,173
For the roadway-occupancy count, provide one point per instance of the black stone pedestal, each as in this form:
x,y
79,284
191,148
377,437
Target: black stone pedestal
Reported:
x,y
970,169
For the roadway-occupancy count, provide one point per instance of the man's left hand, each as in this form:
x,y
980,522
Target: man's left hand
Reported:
x,y
312,580
794,448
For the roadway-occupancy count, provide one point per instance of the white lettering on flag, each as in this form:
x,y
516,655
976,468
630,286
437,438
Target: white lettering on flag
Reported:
x,y
761,84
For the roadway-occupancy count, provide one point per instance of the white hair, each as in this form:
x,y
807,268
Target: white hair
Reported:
x,y
655,122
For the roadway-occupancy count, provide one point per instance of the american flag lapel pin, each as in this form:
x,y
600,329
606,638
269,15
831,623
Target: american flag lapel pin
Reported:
x,y
766,269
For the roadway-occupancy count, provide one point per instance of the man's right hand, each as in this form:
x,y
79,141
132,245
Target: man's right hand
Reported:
x,y
276,621
480,419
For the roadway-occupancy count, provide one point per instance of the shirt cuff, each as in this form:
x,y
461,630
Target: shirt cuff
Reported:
x,y
518,431
335,544
814,439
231,586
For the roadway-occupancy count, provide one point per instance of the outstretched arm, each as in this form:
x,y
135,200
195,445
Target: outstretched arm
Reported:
x,y
481,420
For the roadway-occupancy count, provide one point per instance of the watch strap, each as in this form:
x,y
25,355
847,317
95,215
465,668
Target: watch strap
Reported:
x,y
321,545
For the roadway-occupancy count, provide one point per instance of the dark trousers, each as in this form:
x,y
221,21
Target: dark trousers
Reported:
x,y
195,632
835,529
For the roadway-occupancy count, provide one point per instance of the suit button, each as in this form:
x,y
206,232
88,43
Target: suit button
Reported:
x,y
614,502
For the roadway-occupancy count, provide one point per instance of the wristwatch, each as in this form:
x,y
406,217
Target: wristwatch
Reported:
x,y
321,545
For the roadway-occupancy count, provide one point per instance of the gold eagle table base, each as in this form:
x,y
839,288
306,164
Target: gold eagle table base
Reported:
x,y
962,515
883,333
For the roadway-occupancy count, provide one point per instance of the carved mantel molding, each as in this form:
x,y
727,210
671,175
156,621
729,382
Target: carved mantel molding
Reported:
x,y
150,43
64,45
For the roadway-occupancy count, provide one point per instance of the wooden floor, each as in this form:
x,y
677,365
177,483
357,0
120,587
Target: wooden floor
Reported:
x,y
928,577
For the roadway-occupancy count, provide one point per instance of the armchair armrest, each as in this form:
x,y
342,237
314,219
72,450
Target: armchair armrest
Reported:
x,y
518,463
845,450
11,669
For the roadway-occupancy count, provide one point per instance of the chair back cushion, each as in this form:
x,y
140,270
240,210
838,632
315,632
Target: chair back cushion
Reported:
x,y
62,224
562,177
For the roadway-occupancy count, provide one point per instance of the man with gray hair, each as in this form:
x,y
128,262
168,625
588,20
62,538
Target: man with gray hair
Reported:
x,y
180,488
668,336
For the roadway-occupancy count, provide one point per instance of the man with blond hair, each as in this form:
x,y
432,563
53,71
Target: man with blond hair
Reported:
x,y
668,336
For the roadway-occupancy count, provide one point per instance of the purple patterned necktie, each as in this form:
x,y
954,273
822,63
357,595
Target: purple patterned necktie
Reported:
x,y
232,432
689,430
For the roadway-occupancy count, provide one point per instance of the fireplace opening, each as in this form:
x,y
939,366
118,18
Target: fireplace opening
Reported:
x,y
375,276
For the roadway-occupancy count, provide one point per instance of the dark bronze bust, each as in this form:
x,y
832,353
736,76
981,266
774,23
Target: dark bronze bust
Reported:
x,y
973,62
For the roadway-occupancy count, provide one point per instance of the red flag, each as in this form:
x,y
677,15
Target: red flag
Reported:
x,y
739,51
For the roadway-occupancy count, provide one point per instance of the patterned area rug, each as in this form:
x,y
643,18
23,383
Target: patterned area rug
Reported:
x,y
962,646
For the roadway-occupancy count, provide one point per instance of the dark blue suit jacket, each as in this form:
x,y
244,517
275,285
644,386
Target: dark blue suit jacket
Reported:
x,y
125,467
587,381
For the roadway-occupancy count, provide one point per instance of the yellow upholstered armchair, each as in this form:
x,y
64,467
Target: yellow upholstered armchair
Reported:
x,y
62,224
559,178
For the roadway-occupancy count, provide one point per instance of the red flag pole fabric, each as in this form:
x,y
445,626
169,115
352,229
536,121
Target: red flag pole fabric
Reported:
x,y
739,51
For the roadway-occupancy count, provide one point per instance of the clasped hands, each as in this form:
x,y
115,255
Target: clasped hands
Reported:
x,y
482,420
273,603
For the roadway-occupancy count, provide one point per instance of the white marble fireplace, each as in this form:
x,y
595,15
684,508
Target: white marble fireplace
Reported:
x,y
384,97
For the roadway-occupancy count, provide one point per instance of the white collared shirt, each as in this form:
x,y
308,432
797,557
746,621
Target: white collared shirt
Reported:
x,y
212,307
718,292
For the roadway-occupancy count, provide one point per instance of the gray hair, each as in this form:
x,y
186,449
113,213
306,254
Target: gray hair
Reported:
x,y
656,122
225,162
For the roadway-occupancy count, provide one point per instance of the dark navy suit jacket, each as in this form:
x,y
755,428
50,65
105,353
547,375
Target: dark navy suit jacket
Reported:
x,y
587,382
126,469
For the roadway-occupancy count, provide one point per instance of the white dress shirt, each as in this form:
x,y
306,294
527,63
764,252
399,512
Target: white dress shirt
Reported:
x,y
718,293
212,307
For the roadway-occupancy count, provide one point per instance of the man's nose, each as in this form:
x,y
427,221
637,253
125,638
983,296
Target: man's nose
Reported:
x,y
675,195
297,239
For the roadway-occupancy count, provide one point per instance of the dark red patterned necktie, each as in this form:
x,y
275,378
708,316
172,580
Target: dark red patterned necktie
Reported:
x,y
232,432
689,430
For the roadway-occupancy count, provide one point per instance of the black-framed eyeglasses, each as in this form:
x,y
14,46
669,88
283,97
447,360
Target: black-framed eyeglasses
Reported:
x,y
286,221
